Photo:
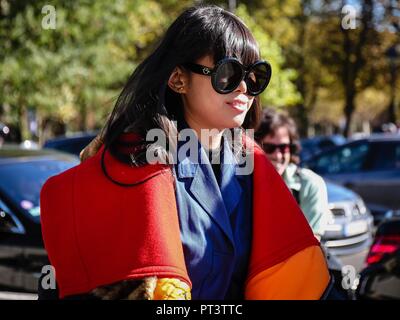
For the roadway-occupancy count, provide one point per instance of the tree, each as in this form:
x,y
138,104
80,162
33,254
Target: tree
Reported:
x,y
281,90
334,64
291,23
75,70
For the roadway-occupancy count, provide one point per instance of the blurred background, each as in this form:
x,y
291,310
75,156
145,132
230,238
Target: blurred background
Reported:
x,y
336,70
335,62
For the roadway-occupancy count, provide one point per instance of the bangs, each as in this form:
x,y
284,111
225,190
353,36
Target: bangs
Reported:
x,y
235,40
218,33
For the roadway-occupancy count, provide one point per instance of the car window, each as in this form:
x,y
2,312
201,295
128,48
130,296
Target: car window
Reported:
x,y
345,159
384,156
326,143
74,145
398,156
21,182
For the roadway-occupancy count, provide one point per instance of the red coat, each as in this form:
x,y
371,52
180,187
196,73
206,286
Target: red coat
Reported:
x,y
97,232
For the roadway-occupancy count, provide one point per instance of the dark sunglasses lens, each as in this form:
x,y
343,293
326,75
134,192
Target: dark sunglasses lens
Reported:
x,y
270,148
258,78
227,77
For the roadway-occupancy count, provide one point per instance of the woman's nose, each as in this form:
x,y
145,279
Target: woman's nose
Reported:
x,y
277,154
242,87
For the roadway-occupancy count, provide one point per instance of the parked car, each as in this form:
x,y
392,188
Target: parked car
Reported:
x,y
350,228
369,166
381,278
23,172
314,145
70,144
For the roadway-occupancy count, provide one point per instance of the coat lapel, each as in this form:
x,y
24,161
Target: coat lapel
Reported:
x,y
204,188
231,189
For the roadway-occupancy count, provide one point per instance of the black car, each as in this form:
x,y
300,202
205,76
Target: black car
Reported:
x,y
381,278
369,166
22,175
70,144
314,145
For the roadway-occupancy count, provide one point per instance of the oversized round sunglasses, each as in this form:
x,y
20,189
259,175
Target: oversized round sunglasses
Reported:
x,y
229,72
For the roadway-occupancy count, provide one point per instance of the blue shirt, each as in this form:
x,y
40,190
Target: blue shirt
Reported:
x,y
215,223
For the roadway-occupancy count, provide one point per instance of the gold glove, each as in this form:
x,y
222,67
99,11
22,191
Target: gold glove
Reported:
x,y
148,288
171,289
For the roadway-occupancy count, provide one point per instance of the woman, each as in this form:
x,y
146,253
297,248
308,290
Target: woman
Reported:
x,y
277,134
188,227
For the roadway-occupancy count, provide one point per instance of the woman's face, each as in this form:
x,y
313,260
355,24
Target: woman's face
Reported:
x,y
205,108
279,159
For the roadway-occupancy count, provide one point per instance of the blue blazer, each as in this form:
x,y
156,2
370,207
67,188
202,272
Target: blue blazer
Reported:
x,y
215,223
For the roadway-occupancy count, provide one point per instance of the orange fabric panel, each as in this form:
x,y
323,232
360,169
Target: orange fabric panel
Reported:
x,y
280,227
304,276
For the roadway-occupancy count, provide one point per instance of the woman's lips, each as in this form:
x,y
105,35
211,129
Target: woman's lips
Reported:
x,y
238,105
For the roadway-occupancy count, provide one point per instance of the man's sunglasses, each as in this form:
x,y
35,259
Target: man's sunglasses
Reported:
x,y
229,72
283,147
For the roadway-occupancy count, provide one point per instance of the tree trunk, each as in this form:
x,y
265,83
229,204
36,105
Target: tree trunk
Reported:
x,y
23,122
83,117
301,108
392,105
301,116
348,111
354,61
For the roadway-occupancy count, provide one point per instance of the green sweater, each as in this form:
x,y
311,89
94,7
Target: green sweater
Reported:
x,y
312,196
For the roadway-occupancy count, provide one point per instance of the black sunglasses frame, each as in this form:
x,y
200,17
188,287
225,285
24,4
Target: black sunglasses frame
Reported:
x,y
212,72
282,147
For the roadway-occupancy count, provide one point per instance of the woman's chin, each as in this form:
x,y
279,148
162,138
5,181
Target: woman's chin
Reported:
x,y
281,169
237,121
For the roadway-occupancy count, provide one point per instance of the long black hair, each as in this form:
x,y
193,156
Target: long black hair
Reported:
x,y
146,102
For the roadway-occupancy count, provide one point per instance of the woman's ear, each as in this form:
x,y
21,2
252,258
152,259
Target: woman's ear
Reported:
x,y
178,80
